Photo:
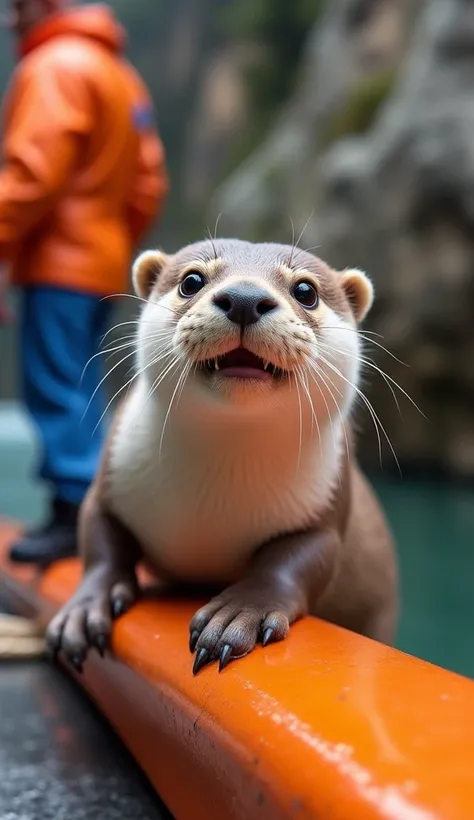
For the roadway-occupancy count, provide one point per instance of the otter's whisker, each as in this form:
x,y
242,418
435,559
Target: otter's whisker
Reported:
x,y
365,400
371,410
360,361
103,380
316,381
363,335
312,248
300,442
293,233
184,382
163,352
312,364
300,373
163,373
382,347
126,295
217,225
130,337
130,341
126,341
138,299
156,383
136,375
135,322
295,244
314,418
325,378
183,376
109,351
213,238
355,330
116,394
122,343
103,353
386,377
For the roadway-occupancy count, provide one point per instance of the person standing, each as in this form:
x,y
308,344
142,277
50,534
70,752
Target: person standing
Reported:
x,y
83,177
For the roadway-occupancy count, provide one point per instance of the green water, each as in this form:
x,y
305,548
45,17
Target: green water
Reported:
x,y
433,525
434,529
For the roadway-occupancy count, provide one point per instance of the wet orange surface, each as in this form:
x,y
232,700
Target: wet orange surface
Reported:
x,y
323,725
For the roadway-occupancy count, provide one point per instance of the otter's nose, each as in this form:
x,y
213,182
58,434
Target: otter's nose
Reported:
x,y
245,304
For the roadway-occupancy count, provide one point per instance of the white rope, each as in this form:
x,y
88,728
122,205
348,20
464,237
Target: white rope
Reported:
x,y
20,638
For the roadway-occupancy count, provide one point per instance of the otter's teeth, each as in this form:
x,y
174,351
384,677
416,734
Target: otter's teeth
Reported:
x,y
266,365
216,364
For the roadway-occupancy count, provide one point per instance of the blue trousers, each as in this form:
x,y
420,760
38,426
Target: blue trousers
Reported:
x,y
60,332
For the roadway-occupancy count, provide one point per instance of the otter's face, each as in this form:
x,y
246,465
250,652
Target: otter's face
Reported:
x,y
245,324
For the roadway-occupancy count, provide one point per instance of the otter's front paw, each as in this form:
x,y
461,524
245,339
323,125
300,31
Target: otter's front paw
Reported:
x,y
231,625
86,620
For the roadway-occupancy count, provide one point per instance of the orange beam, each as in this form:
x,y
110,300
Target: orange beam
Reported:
x,y
324,725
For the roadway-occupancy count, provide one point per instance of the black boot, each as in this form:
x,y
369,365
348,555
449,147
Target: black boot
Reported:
x,y
53,541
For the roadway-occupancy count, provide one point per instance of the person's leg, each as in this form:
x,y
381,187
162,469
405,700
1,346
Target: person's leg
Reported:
x,y
60,333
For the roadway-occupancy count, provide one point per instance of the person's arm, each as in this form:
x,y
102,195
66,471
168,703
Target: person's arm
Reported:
x,y
150,186
50,111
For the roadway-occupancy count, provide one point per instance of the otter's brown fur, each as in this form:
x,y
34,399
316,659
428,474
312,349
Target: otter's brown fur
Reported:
x,y
334,559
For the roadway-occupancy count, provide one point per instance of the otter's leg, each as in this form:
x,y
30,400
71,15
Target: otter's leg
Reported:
x,y
108,589
382,625
285,579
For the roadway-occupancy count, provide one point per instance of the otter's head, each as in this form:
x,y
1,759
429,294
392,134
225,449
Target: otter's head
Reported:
x,y
250,325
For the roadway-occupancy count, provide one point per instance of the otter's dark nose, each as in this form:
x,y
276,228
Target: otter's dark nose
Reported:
x,y
245,304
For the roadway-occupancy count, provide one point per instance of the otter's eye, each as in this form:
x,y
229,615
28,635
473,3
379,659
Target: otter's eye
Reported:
x,y
306,294
192,283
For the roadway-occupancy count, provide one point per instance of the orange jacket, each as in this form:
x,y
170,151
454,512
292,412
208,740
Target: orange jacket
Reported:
x,y
83,174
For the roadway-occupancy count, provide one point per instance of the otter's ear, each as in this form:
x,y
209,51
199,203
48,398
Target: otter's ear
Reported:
x,y
146,270
359,291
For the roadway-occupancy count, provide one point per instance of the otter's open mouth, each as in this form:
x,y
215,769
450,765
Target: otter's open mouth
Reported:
x,y
241,364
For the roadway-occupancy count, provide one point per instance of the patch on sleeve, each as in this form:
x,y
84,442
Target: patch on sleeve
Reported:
x,y
143,117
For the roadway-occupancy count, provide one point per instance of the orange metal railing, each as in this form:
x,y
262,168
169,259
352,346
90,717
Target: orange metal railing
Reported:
x,y
324,725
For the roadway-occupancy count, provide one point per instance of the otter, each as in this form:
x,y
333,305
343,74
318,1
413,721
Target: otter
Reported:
x,y
231,460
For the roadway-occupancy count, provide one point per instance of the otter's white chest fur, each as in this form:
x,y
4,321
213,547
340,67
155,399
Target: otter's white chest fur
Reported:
x,y
203,507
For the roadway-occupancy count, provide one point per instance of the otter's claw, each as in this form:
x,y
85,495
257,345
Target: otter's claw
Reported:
x,y
267,636
86,620
202,658
230,626
101,643
193,640
226,657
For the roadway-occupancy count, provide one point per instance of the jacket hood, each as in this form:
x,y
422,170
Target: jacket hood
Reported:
x,y
96,22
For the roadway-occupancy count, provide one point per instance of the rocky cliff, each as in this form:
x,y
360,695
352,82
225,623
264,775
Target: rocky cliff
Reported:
x,y
378,142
